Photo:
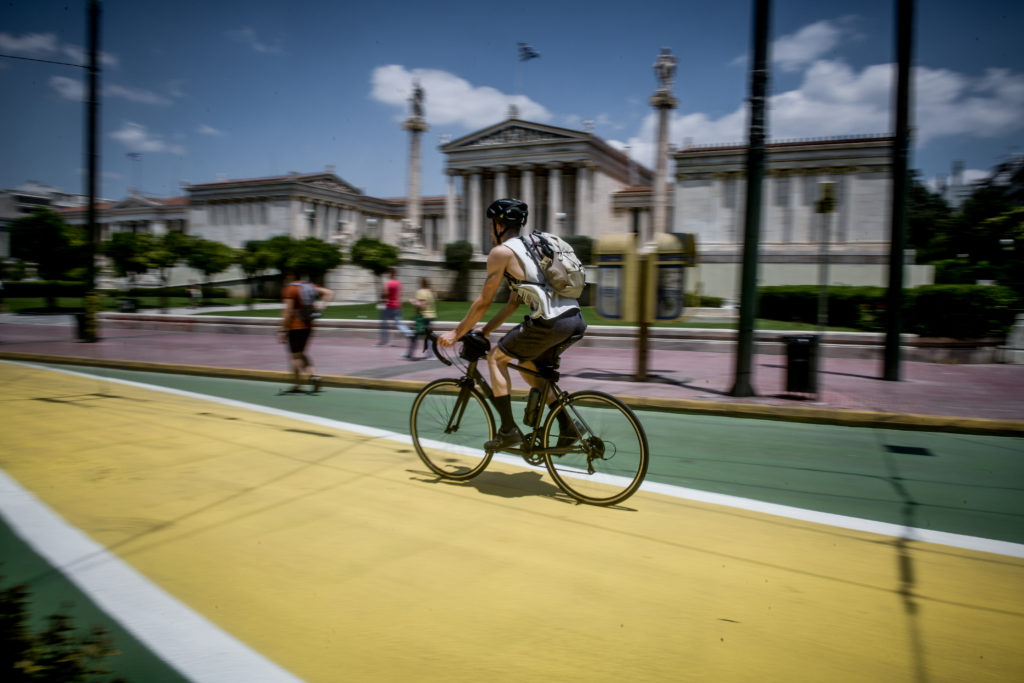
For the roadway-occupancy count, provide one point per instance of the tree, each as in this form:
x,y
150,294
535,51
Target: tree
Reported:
x,y
253,259
129,252
43,238
376,256
929,219
457,256
167,251
210,258
314,257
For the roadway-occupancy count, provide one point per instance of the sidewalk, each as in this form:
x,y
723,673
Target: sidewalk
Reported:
x,y
971,398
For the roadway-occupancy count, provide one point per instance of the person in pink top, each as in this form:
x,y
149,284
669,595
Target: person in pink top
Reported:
x,y
391,309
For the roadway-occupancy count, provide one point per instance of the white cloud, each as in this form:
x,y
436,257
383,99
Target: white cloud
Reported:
x,y
209,130
74,89
136,138
47,46
79,56
35,45
247,36
797,50
68,88
449,99
135,95
837,100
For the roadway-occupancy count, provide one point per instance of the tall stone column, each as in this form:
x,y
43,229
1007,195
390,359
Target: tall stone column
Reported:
x,y
414,212
584,174
500,182
554,197
475,228
451,210
526,183
663,101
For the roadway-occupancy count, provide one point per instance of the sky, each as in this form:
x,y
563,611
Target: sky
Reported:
x,y
194,92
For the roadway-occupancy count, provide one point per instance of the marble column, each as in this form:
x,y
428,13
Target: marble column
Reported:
x,y
554,197
663,102
414,212
500,182
584,195
526,184
475,210
451,209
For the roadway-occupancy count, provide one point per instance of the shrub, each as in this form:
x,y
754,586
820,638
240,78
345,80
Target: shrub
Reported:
x,y
960,311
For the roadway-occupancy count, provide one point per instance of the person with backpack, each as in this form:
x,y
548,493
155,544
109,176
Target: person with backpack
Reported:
x,y
303,301
542,272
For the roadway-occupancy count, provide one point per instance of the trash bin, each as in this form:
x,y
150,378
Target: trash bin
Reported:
x,y
802,363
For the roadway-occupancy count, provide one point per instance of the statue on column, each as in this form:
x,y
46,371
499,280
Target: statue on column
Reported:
x,y
665,70
417,100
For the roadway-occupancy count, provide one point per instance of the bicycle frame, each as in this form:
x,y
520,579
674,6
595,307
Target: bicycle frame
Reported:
x,y
549,377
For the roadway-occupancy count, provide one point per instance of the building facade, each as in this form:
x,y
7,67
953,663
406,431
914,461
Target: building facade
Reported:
x,y
575,184
567,177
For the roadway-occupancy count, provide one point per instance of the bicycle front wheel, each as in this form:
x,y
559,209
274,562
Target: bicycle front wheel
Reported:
x,y
449,424
605,460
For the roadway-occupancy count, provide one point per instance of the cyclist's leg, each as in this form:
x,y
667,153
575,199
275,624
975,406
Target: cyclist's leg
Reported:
x,y
508,433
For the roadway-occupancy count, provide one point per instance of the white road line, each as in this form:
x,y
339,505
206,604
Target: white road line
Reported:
x,y
184,639
826,518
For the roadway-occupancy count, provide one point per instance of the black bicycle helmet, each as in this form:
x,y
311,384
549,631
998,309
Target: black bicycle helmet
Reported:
x,y
510,212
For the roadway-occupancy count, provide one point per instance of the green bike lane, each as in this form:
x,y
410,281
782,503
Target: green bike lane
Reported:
x,y
957,484
964,484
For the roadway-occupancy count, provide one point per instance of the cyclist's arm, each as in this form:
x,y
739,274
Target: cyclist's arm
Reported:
x,y
497,259
506,311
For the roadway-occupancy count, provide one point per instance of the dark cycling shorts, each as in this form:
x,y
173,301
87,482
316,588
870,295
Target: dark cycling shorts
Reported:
x,y
297,339
535,339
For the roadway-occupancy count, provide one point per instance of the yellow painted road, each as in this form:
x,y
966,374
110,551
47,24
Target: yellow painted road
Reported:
x,y
339,557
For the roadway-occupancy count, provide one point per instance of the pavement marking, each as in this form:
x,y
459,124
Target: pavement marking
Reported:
x,y
174,632
342,559
841,521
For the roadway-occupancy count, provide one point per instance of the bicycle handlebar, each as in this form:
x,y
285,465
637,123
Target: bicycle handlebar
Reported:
x,y
437,354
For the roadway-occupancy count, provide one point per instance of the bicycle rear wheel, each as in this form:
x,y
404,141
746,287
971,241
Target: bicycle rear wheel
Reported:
x,y
449,427
608,461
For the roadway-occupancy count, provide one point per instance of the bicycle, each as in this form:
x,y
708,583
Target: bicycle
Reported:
x,y
601,461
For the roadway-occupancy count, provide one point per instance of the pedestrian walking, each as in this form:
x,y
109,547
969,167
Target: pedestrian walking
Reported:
x,y
391,309
426,313
303,302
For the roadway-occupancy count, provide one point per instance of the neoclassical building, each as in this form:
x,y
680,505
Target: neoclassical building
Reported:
x,y
710,202
569,179
575,184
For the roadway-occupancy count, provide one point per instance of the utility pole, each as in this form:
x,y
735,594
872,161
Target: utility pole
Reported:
x,y
752,226
88,332
897,242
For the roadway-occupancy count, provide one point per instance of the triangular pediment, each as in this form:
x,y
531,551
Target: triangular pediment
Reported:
x,y
328,181
514,131
135,202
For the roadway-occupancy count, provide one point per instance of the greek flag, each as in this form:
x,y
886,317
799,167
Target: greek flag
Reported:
x,y
526,52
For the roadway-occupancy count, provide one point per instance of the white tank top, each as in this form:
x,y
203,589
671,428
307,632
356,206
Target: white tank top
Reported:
x,y
532,292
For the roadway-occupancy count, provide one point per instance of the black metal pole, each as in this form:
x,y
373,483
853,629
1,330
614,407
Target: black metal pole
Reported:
x,y
901,144
88,332
743,385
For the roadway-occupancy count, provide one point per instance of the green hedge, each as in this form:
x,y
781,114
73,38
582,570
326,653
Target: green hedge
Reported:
x,y
208,292
958,311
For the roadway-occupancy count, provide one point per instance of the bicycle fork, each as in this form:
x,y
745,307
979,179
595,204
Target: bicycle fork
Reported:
x,y
455,419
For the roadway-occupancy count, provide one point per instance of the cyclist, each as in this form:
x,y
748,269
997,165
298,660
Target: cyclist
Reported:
x,y
552,319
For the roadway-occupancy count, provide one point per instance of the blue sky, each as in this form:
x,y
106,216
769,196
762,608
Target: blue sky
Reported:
x,y
203,90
